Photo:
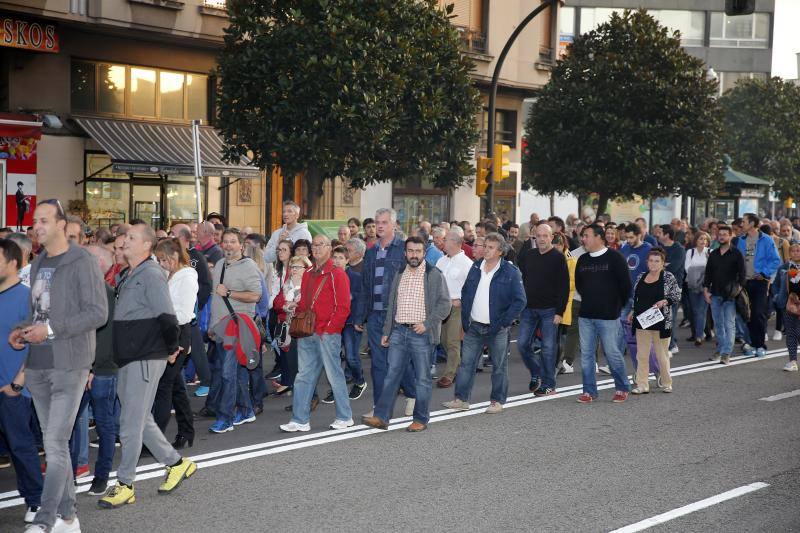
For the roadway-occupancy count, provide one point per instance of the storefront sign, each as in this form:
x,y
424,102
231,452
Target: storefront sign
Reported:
x,y
751,193
35,36
18,145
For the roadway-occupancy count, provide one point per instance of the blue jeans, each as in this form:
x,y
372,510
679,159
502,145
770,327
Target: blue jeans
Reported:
x,y
351,340
215,373
622,338
258,385
233,391
406,346
475,338
313,354
724,314
699,308
105,405
79,441
608,331
529,321
673,341
380,359
18,438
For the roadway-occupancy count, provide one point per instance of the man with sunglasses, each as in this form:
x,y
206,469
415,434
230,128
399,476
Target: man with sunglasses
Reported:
x,y
68,303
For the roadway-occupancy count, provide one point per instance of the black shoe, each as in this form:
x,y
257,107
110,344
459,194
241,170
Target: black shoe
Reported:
x,y
258,410
95,443
275,373
328,398
534,385
288,408
205,412
92,423
180,442
357,390
98,487
314,403
478,369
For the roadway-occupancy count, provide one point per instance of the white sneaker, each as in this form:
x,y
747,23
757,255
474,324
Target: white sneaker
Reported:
x,y
30,514
604,370
410,403
791,366
341,424
675,350
35,528
777,335
568,369
66,527
293,427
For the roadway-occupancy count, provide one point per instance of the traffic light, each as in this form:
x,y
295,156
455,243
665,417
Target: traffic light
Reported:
x,y
484,164
500,163
789,203
739,7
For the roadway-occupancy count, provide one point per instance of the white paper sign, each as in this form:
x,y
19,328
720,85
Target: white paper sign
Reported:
x,y
650,317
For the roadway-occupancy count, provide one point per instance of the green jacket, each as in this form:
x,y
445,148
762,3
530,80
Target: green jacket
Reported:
x,y
104,364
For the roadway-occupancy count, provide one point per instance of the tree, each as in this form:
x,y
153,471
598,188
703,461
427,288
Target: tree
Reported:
x,y
627,112
370,91
762,131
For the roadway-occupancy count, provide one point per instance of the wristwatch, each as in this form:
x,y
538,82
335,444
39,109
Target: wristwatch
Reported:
x,y
16,387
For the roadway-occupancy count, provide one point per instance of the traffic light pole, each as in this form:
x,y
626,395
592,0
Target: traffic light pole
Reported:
x,y
493,92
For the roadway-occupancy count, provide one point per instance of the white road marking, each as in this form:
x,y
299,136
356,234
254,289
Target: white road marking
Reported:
x,y
691,508
781,396
219,457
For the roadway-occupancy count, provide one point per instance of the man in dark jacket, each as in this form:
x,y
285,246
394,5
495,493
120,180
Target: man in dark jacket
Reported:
x,y
725,274
145,332
492,298
676,264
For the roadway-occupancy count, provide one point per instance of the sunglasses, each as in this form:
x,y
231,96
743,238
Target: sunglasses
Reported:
x,y
60,214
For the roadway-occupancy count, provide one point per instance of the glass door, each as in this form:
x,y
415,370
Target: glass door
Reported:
x,y
146,201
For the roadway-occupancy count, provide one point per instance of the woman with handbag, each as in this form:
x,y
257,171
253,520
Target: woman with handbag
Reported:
x,y
695,266
792,316
284,306
171,392
276,277
657,289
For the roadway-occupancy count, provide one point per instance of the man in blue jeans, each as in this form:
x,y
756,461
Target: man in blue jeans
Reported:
x,y
724,276
416,305
546,280
601,278
16,411
492,298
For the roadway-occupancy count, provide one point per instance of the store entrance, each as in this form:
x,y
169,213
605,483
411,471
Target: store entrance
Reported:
x,y
147,204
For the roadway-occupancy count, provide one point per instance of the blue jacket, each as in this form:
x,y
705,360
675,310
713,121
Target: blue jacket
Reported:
x,y
506,295
355,294
433,254
395,260
767,259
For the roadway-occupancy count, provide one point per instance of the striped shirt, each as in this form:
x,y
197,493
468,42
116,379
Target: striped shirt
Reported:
x,y
377,288
411,297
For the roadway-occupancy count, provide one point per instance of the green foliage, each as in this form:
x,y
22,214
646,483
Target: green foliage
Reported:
x,y
762,131
627,112
369,90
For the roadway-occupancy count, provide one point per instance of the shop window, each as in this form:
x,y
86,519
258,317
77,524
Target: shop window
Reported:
x,y
143,92
111,89
181,203
415,199
108,202
728,80
743,31
197,97
171,94
82,80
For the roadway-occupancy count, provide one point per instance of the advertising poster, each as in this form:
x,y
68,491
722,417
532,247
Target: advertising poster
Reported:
x,y
18,144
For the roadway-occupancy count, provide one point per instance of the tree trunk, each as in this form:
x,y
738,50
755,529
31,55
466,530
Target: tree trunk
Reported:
x,y
602,204
552,204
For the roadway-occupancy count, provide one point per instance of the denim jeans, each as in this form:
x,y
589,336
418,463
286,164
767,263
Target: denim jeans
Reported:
x,y
609,333
529,321
351,340
56,397
199,357
741,327
215,373
699,308
103,397
313,354
79,441
673,341
18,438
406,346
724,314
380,359
233,391
757,291
476,337
258,385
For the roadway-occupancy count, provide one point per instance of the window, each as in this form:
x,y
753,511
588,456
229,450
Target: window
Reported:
x,y
467,17
138,92
505,127
744,31
592,17
691,24
727,80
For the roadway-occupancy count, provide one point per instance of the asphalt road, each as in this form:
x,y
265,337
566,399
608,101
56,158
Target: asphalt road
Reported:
x,y
542,465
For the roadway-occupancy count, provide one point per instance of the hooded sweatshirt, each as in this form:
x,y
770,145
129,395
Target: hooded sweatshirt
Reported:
x,y
299,231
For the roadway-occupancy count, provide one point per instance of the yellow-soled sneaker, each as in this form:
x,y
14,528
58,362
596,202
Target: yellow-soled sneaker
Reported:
x,y
176,475
117,496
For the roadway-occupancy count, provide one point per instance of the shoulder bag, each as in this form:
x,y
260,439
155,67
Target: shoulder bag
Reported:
x,y
303,323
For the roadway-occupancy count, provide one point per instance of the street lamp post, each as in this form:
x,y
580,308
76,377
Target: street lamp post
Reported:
x,y
493,90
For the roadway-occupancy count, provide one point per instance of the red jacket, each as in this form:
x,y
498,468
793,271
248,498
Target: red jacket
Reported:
x,y
332,306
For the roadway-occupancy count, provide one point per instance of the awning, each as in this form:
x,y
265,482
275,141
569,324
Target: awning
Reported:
x,y
156,148
740,178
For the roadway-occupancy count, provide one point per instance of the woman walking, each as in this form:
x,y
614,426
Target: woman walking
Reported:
x,y
284,305
656,289
695,266
792,315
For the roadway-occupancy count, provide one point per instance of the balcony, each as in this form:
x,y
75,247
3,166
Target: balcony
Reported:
x,y
472,40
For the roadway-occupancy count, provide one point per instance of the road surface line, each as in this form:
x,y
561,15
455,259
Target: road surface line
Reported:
x,y
781,396
151,470
691,508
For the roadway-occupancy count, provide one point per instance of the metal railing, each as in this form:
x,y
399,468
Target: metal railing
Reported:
x,y
216,4
472,40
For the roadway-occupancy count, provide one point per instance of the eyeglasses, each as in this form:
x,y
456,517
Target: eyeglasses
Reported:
x,y
319,244
60,214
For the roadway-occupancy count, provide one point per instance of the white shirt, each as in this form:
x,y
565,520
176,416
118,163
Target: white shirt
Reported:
x,y
183,293
480,305
455,270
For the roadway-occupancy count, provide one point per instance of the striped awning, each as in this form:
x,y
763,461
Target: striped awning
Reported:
x,y
156,148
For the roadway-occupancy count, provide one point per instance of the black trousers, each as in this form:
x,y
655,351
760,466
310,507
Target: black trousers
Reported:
x,y
757,290
171,393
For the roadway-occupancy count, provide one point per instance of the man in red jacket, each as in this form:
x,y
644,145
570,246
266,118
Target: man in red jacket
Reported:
x,y
325,290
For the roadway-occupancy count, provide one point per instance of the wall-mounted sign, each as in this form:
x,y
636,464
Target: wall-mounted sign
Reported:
x,y
35,36
751,193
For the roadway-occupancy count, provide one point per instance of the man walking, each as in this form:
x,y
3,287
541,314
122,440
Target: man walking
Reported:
x,y
416,305
602,279
145,337
326,293
68,303
492,298
676,265
724,277
546,280
455,266
761,261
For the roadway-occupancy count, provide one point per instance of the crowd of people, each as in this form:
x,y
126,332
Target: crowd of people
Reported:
x,y
110,325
